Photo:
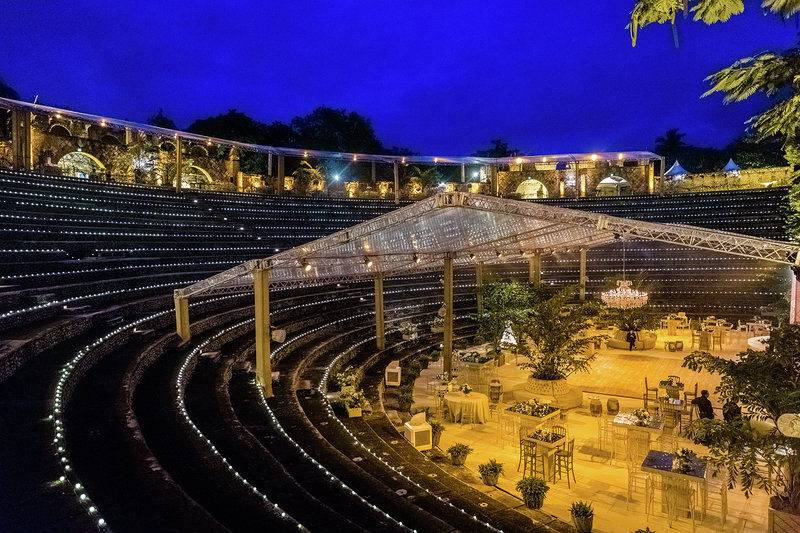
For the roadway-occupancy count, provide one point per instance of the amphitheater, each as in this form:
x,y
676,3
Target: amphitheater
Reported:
x,y
113,421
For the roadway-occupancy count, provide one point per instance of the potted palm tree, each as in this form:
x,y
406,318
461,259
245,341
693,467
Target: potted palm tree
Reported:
x,y
533,490
582,516
558,346
354,401
490,471
436,431
458,453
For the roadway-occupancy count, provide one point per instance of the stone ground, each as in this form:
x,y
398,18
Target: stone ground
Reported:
x,y
621,374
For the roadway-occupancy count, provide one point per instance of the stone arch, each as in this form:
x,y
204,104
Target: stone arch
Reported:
x,y
60,130
109,138
198,151
194,177
80,164
531,189
167,146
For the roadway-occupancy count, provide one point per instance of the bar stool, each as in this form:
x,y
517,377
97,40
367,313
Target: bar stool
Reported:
x,y
527,455
565,459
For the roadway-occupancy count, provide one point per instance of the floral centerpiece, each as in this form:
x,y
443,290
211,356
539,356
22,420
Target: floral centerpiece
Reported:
x,y
643,417
475,357
532,407
682,461
465,388
408,329
545,435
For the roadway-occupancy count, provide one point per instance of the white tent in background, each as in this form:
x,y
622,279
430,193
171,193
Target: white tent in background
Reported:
x,y
676,171
731,167
613,186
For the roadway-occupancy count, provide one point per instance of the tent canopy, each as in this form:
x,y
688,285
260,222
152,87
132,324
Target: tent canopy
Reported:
x,y
675,170
468,228
731,166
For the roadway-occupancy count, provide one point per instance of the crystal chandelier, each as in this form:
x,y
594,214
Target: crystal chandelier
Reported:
x,y
624,296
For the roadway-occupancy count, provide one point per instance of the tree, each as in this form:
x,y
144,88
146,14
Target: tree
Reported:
x,y
557,342
753,450
336,130
504,303
160,120
498,148
670,144
6,91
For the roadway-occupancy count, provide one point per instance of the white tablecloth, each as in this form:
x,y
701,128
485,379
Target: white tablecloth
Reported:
x,y
458,401
757,343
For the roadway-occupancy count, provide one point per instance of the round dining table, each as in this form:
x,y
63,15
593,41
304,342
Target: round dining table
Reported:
x,y
459,403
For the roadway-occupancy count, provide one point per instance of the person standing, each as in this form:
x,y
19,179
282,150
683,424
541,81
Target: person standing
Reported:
x,y
631,338
704,407
731,410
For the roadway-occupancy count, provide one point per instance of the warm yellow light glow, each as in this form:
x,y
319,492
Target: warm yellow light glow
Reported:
x,y
403,160
544,160
103,123
305,153
368,262
355,157
518,160
620,156
435,159
594,157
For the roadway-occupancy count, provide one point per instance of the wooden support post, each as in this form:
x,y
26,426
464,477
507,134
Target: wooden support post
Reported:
x,y
463,173
650,172
396,170
380,324
182,318
21,141
794,298
582,280
447,346
263,353
280,176
374,172
178,164
535,268
479,285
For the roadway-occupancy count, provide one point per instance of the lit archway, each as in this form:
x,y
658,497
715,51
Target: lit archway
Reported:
x,y
194,177
531,189
80,165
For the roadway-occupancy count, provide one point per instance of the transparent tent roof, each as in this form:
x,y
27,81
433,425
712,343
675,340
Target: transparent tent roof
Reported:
x,y
469,228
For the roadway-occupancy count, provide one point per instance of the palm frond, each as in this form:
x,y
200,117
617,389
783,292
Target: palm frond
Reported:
x,y
785,8
713,11
781,119
766,72
652,11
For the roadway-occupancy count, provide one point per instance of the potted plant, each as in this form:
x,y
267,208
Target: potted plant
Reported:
x,y
504,304
436,431
438,325
354,402
434,356
533,490
557,346
767,383
405,397
490,471
458,453
409,330
582,516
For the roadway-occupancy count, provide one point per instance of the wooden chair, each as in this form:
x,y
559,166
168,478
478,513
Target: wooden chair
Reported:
x,y
688,410
717,495
650,394
696,337
565,459
561,431
680,499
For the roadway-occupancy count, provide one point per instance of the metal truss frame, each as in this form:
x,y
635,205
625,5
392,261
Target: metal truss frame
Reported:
x,y
577,229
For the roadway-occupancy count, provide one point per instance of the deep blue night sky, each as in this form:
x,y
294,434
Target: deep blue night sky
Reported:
x,y
438,77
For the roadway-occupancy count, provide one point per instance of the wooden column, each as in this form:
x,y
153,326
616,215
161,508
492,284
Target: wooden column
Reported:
x,y
178,164
794,298
396,171
463,173
374,172
380,324
479,285
182,318
650,173
535,268
263,363
21,141
582,274
447,345
280,176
